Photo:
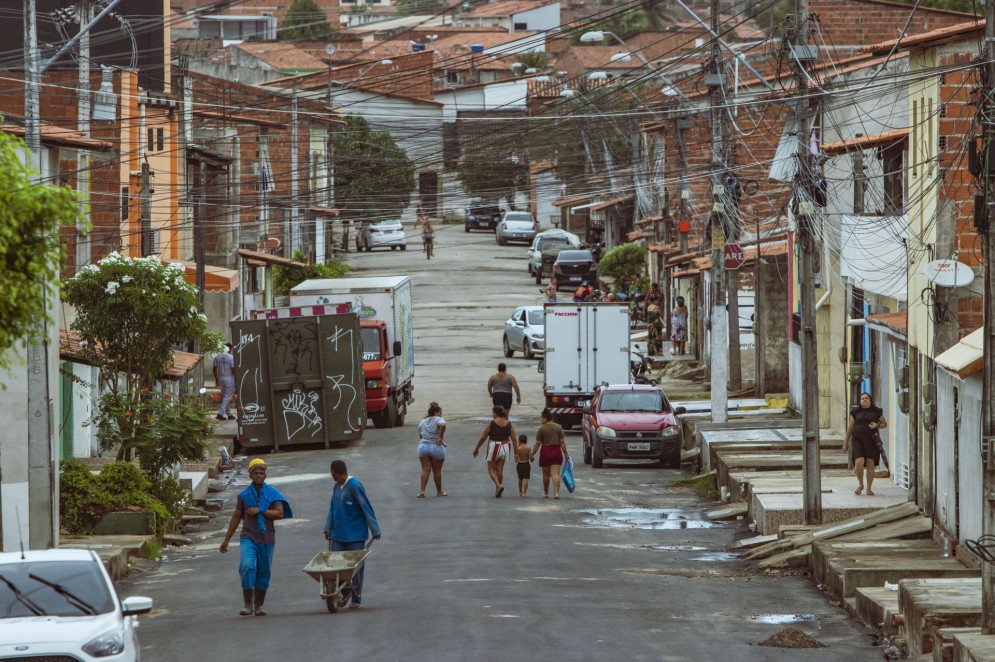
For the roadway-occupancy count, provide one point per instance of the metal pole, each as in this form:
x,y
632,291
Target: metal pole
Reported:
x,y
811,464
295,239
145,222
718,338
200,219
988,376
85,30
83,125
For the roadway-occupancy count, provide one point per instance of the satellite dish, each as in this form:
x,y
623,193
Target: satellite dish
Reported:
x,y
948,273
330,49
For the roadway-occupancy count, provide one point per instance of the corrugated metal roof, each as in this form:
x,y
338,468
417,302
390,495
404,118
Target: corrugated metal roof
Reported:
x,y
966,357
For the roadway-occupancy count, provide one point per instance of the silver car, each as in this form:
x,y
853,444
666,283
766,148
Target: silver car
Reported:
x,y
549,238
516,226
525,332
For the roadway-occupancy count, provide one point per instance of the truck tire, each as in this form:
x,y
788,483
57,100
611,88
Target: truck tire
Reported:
x,y
399,419
597,461
379,419
404,247
508,351
391,413
466,228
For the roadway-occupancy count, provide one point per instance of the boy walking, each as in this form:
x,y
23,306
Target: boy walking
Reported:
x,y
523,464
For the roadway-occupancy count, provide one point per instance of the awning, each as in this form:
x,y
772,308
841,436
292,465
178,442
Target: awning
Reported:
x,y
646,220
579,207
635,235
687,273
966,357
895,325
570,199
216,279
71,349
266,258
611,203
864,142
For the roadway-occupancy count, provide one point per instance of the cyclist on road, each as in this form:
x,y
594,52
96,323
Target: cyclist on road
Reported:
x,y
428,240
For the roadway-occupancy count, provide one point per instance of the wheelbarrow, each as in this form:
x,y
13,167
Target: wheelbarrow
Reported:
x,y
334,571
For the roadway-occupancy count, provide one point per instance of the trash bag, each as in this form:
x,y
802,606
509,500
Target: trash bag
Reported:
x,y
567,474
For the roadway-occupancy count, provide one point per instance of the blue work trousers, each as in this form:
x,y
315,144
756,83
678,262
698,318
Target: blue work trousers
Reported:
x,y
255,563
227,385
357,581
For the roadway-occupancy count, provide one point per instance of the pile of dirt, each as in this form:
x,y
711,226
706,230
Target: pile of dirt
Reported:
x,y
791,638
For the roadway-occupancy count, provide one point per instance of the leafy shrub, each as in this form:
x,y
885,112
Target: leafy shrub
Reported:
x,y
83,499
627,260
287,278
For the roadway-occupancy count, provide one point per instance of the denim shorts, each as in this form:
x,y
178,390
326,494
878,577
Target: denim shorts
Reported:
x,y
432,450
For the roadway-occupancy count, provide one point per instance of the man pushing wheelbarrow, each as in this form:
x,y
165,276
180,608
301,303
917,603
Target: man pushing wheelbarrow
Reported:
x,y
350,515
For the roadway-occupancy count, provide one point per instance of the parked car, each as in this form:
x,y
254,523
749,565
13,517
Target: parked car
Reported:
x,y
632,422
525,332
516,226
482,217
554,237
547,258
575,267
381,235
60,604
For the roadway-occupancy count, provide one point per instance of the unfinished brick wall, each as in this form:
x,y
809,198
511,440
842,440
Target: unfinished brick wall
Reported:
x,y
865,22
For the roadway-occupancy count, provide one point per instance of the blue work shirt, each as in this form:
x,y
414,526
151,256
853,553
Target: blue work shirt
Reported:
x,y
350,514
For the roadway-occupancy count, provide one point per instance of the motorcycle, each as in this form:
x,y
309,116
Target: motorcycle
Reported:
x,y
639,366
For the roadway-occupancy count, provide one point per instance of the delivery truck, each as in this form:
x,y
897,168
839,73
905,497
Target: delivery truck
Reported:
x,y
383,304
298,381
587,346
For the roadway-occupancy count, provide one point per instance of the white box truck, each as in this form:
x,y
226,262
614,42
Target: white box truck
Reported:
x,y
587,346
383,304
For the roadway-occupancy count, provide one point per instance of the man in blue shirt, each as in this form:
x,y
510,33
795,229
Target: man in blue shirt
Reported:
x,y
350,515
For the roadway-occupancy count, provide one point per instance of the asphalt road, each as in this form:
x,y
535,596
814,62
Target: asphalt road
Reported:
x,y
624,568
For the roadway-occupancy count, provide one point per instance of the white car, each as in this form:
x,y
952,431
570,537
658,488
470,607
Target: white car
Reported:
x,y
525,332
60,604
516,226
381,235
549,238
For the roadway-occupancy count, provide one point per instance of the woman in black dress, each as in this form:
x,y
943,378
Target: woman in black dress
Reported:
x,y
865,420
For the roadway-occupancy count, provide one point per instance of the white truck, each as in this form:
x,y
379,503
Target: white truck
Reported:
x,y
587,346
383,304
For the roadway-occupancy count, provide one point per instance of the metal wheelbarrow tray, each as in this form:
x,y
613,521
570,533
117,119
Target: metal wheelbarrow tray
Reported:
x,y
334,571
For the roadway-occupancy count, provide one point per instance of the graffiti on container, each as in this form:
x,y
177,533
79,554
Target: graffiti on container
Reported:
x,y
249,347
295,346
341,384
300,413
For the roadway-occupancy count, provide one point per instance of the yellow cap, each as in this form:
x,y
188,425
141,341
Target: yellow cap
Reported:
x,y
257,462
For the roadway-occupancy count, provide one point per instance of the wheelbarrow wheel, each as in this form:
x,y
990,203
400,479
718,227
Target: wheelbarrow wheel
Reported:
x,y
332,604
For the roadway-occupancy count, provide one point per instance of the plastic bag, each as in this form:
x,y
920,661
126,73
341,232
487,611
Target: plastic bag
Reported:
x,y
567,474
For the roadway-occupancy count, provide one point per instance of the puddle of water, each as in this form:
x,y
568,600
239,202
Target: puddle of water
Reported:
x,y
647,518
679,548
717,557
781,619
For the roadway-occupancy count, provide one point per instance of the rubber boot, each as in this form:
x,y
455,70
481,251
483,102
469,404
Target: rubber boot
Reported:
x,y
247,597
260,598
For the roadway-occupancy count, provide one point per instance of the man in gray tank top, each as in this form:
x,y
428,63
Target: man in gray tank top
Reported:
x,y
500,386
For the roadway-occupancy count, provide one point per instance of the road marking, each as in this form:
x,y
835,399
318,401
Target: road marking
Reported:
x,y
283,480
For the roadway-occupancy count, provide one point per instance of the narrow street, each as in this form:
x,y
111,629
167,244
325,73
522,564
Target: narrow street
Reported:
x,y
624,568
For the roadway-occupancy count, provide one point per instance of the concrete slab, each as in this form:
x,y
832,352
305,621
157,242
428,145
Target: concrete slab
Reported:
x,y
974,647
842,567
928,605
874,607
726,462
195,482
759,440
943,643
114,551
735,404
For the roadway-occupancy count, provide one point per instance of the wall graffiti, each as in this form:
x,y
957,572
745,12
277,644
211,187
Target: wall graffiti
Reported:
x,y
346,397
248,350
295,346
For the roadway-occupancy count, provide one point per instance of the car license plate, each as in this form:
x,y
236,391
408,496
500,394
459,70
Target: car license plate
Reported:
x,y
639,446
575,278
583,403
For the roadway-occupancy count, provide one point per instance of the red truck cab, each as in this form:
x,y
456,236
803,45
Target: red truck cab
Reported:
x,y
632,422
377,372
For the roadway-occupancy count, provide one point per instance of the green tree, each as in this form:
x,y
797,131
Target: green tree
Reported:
x,y
305,21
627,260
492,172
130,314
374,178
31,217
286,278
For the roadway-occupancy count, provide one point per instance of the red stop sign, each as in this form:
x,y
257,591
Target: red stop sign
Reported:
x,y
734,256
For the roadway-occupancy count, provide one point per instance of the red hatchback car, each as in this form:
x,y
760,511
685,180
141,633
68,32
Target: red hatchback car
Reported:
x,y
632,422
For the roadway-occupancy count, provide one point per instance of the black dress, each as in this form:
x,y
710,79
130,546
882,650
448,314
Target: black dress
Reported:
x,y
863,439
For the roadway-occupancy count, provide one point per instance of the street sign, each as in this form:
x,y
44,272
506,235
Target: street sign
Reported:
x,y
734,256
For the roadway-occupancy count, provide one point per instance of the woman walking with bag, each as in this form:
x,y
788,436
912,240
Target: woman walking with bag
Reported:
x,y
865,421
498,434
553,444
432,448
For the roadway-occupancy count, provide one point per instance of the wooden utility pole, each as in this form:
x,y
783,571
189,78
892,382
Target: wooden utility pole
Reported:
x,y
718,320
988,376
804,109
145,220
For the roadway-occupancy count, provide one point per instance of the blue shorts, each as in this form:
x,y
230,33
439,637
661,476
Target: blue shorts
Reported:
x,y
432,450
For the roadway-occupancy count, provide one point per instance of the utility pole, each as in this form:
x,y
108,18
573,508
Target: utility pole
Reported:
x,y
200,221
804,109
685,208
295,231
145,222
719,323
988,376
85,15
732,225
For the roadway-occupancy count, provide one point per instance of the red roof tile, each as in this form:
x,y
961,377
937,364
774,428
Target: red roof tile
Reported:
x,y
71,349
897,322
